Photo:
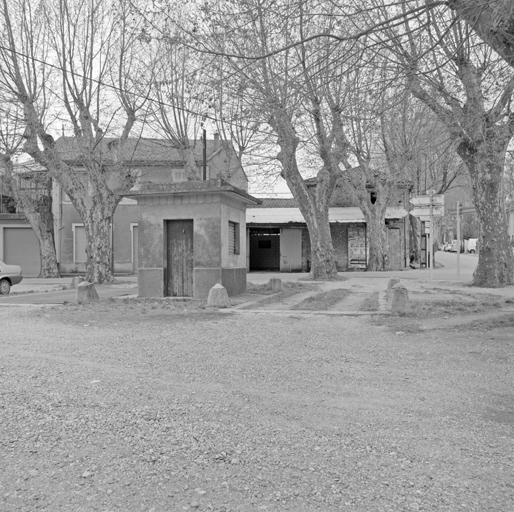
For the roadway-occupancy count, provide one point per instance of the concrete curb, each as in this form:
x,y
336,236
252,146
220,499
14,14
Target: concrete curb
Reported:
x,y
305,312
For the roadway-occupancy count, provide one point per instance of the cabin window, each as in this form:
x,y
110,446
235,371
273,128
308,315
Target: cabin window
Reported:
x,y
233,238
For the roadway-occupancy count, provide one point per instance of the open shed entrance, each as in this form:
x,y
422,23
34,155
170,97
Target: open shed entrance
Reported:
x,y
265,249
179,258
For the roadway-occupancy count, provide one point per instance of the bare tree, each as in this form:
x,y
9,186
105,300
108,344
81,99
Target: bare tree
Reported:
x,y
470,91
277,88
181,97
95,82
31,189
493,21
360,105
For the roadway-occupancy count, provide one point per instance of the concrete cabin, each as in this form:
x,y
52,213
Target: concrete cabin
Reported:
x,y
191,238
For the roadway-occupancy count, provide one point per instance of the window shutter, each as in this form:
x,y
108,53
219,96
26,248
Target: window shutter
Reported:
x,y
232,249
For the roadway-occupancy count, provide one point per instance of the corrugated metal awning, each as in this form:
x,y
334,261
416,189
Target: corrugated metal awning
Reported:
x,y
293,215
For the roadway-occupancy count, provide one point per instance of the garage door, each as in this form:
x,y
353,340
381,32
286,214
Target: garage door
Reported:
x,y
21,247
291,250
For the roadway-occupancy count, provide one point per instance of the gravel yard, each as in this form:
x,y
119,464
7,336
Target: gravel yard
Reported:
x,y
141,406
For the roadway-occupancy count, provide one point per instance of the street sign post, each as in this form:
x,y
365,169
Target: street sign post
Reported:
x,y
427,207
438,200
424,211
458,240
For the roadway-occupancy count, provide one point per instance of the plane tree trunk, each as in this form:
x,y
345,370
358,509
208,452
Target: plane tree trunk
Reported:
x,y
313,204
36,204
482,134
96,212
493,21
485,162
376,235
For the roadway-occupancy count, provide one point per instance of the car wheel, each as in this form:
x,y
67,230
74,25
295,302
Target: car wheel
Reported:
x,y
5,287
472,251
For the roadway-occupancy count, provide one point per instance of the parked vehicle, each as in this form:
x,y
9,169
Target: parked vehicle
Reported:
x,y
455,245
9,276
472,245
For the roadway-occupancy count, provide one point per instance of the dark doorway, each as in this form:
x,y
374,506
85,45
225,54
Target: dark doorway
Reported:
x,y
179,258
265,249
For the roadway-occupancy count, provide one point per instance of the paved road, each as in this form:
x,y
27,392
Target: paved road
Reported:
x,y
446,272
49,291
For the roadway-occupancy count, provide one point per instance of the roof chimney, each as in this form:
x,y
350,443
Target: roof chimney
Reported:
x,y
216,141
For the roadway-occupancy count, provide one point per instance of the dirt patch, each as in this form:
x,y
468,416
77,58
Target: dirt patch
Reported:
x,y
106,407
117,312
335,279
323,301
290,290
371,303
497,322
453,306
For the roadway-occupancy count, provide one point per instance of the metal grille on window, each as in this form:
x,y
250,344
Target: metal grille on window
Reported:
x,y
232,238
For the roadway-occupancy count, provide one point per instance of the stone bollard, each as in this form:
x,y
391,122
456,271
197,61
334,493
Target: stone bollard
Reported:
x,y
76,281
276,285
86,293
399,300
218,297
391,283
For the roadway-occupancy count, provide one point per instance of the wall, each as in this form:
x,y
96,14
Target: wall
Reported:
x,y
306,250
340,242
231,211
401,251
227,166
64,239
125,216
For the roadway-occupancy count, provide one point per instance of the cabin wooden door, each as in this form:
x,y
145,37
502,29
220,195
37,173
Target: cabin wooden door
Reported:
x,y
179,256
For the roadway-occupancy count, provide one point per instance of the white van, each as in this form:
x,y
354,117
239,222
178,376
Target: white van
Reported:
x,y
455,245
472,245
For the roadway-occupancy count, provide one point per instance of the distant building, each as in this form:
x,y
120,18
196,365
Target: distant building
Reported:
x,y
278,239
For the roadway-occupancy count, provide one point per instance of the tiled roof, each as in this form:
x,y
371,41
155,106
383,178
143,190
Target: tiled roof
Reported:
x,y
190,187
257,215
277,202
291,202
137,150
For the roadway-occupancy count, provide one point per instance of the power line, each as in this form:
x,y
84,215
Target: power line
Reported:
x,y
122,90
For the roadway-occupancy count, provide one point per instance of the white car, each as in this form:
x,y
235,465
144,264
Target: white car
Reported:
x,y
9,276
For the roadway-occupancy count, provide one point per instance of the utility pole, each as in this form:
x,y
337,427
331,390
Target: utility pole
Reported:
x,y
430,234
458,241
204,154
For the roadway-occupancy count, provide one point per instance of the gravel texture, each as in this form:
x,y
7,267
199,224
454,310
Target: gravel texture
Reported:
x,y
136,406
